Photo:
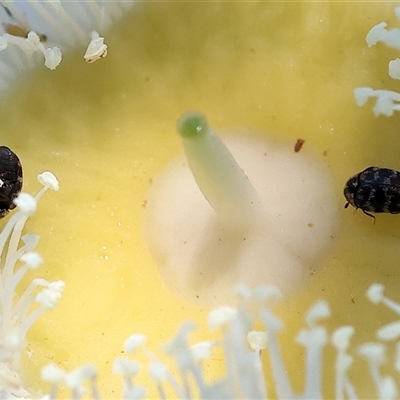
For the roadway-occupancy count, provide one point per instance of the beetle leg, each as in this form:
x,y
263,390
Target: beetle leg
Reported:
x,y
369,215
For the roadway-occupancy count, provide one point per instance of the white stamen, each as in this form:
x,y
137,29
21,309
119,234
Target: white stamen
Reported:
x,y
53,374
257,340
202,350
76,378
133,342
26,203
341,337
158,371
320,310
394,68
32,259
96,49
52,57
375,293
373,351
49,180
389,332
221,316
126,367
49,297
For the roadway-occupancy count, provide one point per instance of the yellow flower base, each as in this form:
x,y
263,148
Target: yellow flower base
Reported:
x,y
107,129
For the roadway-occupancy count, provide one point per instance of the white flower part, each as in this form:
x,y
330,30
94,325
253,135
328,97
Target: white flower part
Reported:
x,y
202,350
344,362
57,286
267,292
394,68
33,40
376,34
158,371
29,45
389,332
32,259
379,33
13,341
387,101
388,388
134,393
126,367
272,322
375,293
3,43
375,352
362,94
26,203
341,337
221,316
40,282
319,310
52,57
52,373
133,342
49,297
97,48
75,378
257,340
49,180
30,240
314,337
243,291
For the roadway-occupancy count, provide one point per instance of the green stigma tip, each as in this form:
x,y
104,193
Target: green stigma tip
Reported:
x,y
192,124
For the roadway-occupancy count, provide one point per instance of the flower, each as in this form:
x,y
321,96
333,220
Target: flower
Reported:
x,y
18,316
247,370
68,25
387,101
243,87
238,210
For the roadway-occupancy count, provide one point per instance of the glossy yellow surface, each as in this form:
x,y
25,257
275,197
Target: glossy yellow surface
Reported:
x,y
108,128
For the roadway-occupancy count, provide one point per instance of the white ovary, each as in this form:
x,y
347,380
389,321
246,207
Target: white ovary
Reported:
x,y
201,258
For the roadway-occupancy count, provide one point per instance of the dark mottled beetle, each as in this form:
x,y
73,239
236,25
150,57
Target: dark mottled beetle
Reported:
x,y
11,179
374,190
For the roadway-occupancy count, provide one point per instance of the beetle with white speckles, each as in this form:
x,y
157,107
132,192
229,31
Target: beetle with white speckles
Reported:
x,y
10,179
374,190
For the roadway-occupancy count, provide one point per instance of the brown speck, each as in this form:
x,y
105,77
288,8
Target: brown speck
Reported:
x,y
353,300
298,145
244,239
310,224
252,50
197,296
144,203
325,153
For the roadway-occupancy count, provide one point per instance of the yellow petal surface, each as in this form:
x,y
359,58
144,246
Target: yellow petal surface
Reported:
x,y
107,129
